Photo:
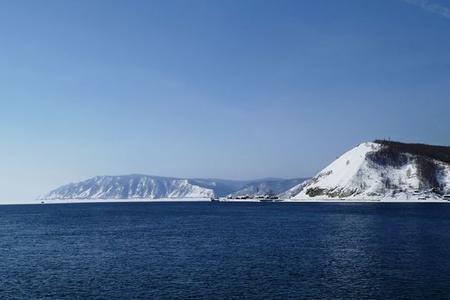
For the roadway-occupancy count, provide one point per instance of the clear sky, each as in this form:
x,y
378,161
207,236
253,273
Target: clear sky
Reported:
x,y
229,89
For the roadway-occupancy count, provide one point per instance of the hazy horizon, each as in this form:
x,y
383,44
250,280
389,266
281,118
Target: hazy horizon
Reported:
x,y
213,89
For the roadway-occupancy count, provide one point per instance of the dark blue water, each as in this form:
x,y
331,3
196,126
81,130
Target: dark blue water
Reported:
x,y
225,251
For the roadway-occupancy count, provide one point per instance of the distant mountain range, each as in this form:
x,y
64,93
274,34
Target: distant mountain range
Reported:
x,y
379,170
153,187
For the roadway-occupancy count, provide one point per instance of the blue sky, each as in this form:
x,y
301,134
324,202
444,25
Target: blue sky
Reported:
x,y
231,89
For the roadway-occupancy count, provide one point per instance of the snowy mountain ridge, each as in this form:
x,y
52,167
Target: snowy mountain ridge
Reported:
x,y
154,187
379,170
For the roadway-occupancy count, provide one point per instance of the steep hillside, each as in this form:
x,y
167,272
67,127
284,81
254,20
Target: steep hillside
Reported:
x,y
382,170
269,186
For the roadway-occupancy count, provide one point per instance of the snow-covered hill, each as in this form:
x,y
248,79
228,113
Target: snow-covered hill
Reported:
x,y
379,170
129,187
153,187
265,187
383,171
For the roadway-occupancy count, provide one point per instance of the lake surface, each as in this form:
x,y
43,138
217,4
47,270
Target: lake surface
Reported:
x,y
225,251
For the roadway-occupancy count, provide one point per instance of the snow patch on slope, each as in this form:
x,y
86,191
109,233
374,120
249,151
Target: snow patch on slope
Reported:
x,y
154,187
130,187
265,187
360,174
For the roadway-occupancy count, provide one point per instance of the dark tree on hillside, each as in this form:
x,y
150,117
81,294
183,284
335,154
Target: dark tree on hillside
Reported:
x,y
441,153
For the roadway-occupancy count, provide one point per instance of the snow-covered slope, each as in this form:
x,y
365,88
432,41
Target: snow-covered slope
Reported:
x,y
378,170
153,187
129,187
267,186
381,170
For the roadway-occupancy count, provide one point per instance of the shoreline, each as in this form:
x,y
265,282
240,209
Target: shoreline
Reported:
x,y
193,200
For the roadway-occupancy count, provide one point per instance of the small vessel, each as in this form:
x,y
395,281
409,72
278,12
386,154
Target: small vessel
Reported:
x,y
214,199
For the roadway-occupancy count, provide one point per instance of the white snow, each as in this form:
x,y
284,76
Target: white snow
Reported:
x,y
154,187
353,176
129,187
